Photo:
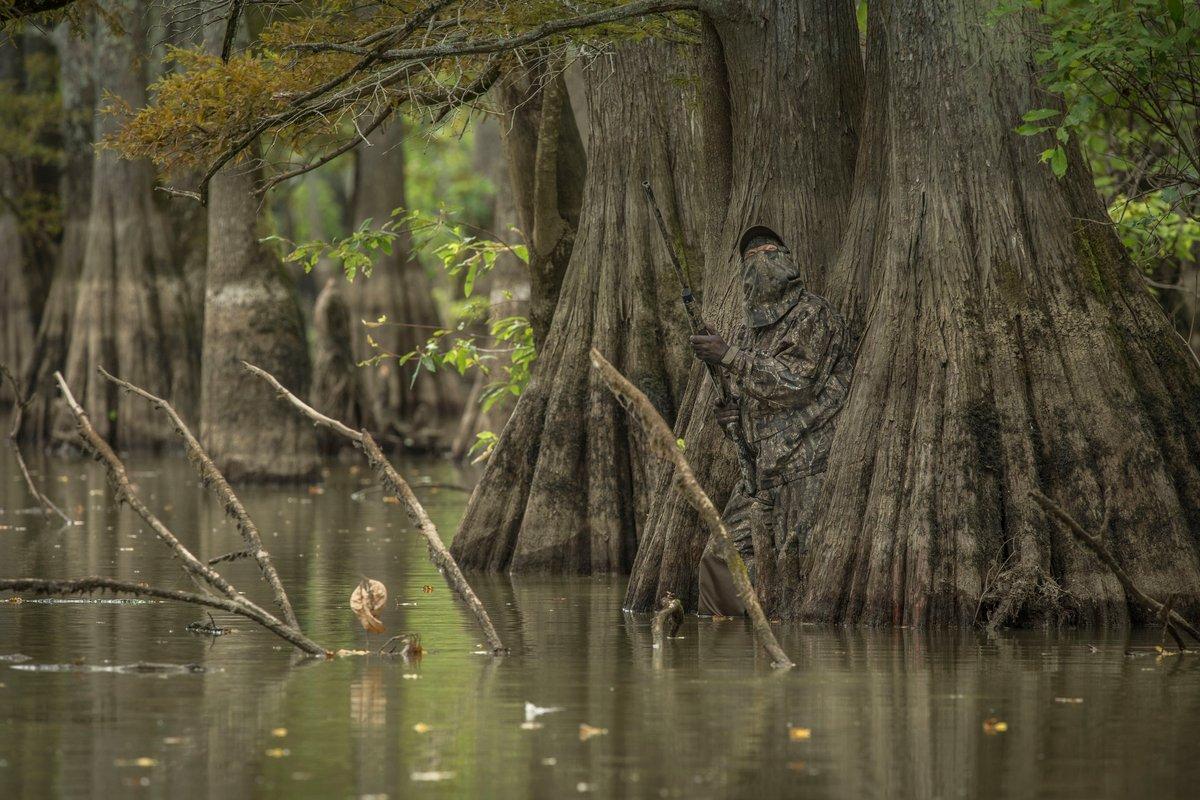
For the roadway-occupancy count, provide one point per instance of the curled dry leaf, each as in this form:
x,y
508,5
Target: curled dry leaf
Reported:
x,y
367,600
587,731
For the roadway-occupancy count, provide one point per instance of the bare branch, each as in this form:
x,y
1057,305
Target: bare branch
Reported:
x,y
212,479
1096,546
97,584
19,403
662,443
235,10
394,483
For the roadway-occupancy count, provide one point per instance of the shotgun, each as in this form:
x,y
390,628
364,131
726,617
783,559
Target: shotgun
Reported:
x,y
719,378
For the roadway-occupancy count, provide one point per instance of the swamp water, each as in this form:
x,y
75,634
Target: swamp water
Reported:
x,y
867,713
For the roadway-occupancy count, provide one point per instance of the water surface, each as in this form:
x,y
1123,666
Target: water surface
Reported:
x,y
866,713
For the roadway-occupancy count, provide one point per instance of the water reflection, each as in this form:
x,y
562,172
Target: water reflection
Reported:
x,y
891,713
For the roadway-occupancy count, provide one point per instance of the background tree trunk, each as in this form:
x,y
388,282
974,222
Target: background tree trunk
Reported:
x,y
77,90
1007,344
131,314
17,319
250,314
567,483
781,103
337,389
399,289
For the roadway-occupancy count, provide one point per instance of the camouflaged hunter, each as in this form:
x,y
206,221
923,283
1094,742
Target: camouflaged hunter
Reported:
x,y
789,367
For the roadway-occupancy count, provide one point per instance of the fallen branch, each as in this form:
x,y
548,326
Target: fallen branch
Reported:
x,y
666,620
662,442
1096,546
212,479
200,572
19,403
96,584
391,480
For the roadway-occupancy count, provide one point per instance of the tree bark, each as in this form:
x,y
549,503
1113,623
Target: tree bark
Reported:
x,y
251,314
780,104
337,380
399,289
1008,345
568,481
17,317
131,312
77,90
558,184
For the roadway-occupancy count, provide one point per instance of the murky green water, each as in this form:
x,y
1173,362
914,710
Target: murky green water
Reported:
x,y
866,714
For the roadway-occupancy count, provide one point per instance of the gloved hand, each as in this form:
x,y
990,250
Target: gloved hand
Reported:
x,y
709,347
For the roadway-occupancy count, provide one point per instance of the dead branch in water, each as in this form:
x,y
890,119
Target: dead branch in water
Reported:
x,y
94,584
667,620
202,574
1096,546
391,480
19,403
212,479
662,442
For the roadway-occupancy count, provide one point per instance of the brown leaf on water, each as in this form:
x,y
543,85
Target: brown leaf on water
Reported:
x,y
366,601
797,734
994,725
587,731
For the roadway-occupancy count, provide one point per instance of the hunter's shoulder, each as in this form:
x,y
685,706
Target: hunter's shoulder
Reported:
x,y
815,307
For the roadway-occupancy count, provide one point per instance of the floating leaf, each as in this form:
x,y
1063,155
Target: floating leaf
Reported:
x,y
367,600
421,727
587,731
532,712
799,734
1069,700
279,733
278,752
994,725
432,775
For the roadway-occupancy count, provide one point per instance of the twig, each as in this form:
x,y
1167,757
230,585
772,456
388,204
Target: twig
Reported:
x,y
19,403
197,570
391,480
1165,621
212,479
96,584
1102,552
235,9
667,620
662,442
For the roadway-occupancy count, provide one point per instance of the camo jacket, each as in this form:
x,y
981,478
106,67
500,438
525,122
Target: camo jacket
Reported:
x,y
790,380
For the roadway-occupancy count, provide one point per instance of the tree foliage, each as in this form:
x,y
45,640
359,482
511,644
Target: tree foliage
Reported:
x,y
324,77
1128,74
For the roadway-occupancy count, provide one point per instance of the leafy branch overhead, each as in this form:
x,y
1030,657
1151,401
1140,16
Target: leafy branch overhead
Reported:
x,y
321,81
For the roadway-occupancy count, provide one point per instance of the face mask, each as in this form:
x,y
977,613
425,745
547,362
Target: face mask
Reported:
x,y
771,285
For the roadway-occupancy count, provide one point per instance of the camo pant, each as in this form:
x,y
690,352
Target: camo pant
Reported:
x,y
782,518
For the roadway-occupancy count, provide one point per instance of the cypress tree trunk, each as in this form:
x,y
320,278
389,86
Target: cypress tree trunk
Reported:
x,y
250,314
77,90
399,289
781,113
1007,345
567,483
16,295
555,210
131,315
337,389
